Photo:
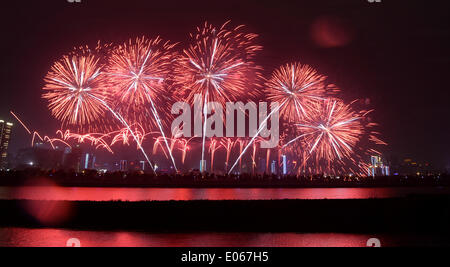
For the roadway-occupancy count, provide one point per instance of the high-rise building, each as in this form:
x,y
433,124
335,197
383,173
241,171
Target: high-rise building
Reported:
x,y
72,159
88,161
203,166
377,167
285,167
5,137
123,165
274,167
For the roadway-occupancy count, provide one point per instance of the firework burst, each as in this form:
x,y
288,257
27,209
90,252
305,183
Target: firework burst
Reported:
x,y
75,90
138,72
300,87
335,138
299,90
77,94
219,64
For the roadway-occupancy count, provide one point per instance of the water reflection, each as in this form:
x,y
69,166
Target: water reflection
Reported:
x,y
184,194
21,237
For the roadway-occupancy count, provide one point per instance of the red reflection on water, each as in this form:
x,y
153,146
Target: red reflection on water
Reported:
x,y
52,192
21,237
47,213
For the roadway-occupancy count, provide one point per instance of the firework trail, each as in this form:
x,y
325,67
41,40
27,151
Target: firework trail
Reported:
x,y
184,148
122,120
213,147
36,134
184,144
301,86
124,135
96,140
219,66
76,90
331,136
20,121
137,72
228,144
255,148
263,124
241,143
268,153
160,142
99,140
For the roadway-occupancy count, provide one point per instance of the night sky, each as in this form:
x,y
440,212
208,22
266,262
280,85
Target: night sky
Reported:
x,y
394,54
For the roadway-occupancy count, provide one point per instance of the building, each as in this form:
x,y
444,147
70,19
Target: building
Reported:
x,y
377,167
88,161
273,167
39,157
72,159
285,165
203,165
262,166
5,137
411,166
123,165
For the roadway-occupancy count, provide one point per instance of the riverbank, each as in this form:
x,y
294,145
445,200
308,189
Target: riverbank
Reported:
x,y
413,214
136,180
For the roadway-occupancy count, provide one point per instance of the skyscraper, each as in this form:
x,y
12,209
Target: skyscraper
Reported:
x,y
5,137
377,167
88,161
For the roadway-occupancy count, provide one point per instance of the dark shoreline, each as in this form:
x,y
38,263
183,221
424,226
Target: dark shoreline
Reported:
x,y
237,186
197,180
179,183
413,214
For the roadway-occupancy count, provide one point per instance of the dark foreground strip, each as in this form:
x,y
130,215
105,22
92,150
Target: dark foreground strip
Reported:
x,y
424,214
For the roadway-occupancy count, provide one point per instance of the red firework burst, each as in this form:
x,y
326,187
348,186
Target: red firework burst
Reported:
x,y
300,87
138,73
219,64
75,89
334,139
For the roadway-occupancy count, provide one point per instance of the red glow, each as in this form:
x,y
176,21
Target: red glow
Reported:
x,y
331,32
47,213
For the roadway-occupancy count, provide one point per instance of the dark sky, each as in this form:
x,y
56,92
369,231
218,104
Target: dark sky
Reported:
x,y
397,55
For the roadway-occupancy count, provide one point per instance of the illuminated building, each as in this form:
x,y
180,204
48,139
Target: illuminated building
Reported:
x,y
273,168
203,166
88,162
285,167
123,165
5,137
377,167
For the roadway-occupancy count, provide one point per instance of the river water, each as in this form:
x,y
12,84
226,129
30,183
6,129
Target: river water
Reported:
x,y
22,237
58,237
184,194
